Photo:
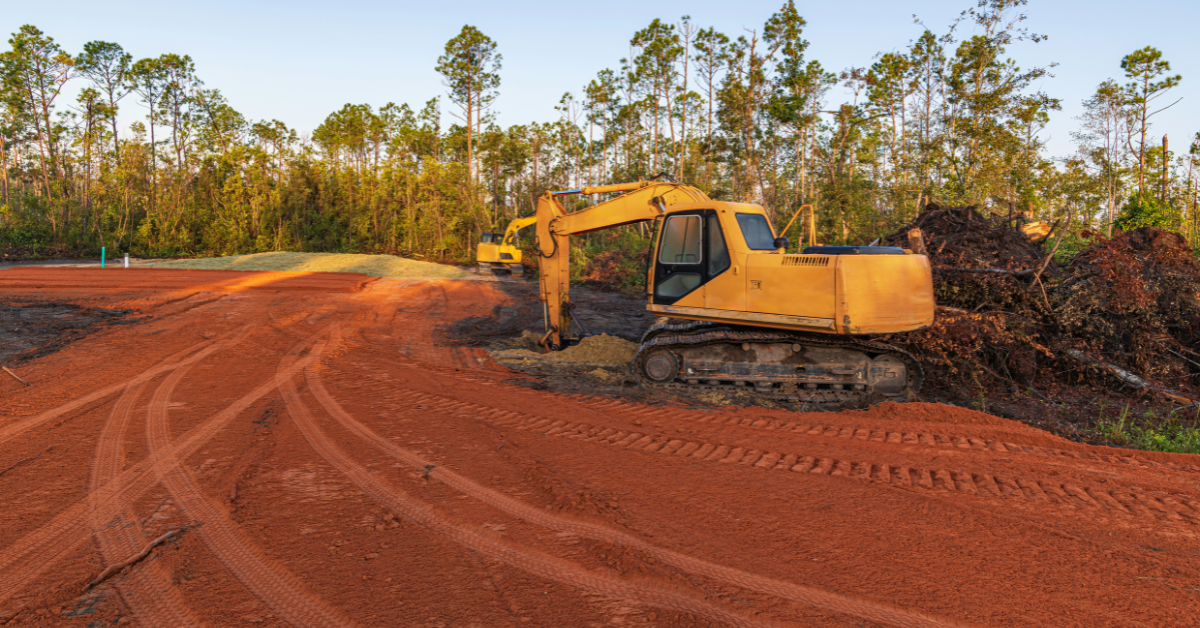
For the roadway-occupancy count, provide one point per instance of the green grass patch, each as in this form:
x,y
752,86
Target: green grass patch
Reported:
x,y
1151,433
373,265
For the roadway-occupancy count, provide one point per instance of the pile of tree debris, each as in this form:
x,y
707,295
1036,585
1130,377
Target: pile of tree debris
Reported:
x,y
1121,313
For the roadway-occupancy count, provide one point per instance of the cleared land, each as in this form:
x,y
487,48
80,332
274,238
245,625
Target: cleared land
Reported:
x,y
372,265
268,449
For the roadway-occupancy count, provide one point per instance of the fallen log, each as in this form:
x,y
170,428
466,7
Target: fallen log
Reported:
x,y
136,558
1112,369
1125,376
14,375
23,461
998,271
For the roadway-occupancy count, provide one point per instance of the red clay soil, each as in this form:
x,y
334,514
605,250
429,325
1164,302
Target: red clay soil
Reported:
x,y
280,449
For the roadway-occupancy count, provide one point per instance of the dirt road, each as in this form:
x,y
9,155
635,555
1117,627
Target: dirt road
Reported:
x,y
267,449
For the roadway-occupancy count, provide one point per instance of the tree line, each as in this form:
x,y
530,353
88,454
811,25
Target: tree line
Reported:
x,y
745,116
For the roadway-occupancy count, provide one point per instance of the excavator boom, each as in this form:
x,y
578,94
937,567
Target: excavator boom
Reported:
x,y
642,201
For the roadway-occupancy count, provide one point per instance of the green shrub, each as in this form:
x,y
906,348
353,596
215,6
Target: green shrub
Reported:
x,y
1143,210
1150,434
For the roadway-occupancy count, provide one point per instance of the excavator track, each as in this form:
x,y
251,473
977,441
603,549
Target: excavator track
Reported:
x,y
794,366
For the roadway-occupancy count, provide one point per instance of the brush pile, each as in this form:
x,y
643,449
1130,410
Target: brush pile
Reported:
x,y
1122,312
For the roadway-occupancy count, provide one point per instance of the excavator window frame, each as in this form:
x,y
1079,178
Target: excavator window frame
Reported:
x,y
648,271
717,263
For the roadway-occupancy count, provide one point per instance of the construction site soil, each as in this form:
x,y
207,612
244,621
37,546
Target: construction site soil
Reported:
x,y
271,449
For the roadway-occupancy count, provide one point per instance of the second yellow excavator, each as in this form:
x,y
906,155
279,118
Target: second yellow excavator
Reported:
x,y
743,314
500,252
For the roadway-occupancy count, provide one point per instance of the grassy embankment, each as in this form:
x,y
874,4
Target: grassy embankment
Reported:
x,y
373,265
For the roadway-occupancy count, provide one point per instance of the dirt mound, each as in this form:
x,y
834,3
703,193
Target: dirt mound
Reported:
x,y
601,349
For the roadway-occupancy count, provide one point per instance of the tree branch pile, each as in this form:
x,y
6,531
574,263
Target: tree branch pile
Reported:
x,y
1123,313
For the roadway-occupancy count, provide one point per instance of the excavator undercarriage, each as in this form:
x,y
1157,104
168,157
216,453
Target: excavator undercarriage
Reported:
x,y
793,366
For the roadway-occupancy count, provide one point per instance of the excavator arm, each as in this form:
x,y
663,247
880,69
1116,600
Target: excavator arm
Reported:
x,y
510,234
642,201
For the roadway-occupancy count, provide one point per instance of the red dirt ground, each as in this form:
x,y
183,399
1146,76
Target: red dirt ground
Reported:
x,y
322,461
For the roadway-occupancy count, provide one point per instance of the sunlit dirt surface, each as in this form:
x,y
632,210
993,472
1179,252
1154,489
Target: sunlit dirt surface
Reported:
x,y
269,449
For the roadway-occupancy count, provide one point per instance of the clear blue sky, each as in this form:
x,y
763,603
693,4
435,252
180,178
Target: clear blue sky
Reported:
x,y
298,61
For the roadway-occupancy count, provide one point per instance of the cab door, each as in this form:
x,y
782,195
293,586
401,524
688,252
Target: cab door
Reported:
x,y
691,251
679,262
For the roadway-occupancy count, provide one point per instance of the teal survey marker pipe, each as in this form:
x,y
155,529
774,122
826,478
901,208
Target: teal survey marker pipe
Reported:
x,y
101,257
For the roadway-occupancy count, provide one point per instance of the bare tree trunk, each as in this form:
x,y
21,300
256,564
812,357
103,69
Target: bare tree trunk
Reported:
x,y
670,122
1142,151
1166,166
4,167
42,139
116,144
153,167
470,138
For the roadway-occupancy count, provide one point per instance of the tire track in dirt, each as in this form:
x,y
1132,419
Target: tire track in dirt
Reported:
x,y
1038,491
420,334
171,362
875,434
535,562
37,551
147,589
874,611
279,589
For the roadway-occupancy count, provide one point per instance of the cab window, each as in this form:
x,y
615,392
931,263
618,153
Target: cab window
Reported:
x,y
757,232
681,240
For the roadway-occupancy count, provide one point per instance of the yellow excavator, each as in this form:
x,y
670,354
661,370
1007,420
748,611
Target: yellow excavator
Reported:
x,y
741,313
500,252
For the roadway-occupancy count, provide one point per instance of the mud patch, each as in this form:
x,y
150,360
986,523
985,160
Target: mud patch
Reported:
x,y
502,322
602,313
33,330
